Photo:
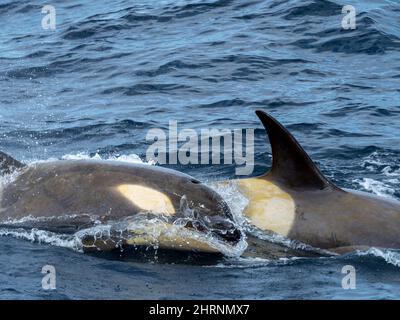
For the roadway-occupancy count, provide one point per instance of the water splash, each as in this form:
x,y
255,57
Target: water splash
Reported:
x,y
128,158
234,198
45,237
390,256
377,187
238,202
384,164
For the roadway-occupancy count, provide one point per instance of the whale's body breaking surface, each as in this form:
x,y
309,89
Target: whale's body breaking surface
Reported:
x,y
70,196
175,211
295,200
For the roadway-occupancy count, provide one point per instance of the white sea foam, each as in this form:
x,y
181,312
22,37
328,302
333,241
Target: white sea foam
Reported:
x,y
234,198
388,169
238,202
129,158
377,187
243,262
254,262
41,236
390,256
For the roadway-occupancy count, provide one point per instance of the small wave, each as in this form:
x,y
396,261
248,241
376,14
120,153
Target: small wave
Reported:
x,y
79,34
384,163
193,9
128,158
377,187
45,237
320,8
390,256
371,42
369,37
81,132
254,262
147,88
170,67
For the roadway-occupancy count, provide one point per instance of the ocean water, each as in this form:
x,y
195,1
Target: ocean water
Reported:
x,y
111,71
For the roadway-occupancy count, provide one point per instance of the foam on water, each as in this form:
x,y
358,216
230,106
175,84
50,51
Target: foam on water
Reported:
x,y
129,158
386,165
254,262
390,256
42,236
157,227
377,187
234,198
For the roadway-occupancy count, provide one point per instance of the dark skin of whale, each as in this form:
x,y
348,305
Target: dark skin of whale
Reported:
x,y
345,219
71,193
314,210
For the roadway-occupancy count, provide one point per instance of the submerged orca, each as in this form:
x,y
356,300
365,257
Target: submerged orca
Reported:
x,y
296,200
73,196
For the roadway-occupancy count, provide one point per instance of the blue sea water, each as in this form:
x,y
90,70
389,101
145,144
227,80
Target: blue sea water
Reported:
x,y
112,70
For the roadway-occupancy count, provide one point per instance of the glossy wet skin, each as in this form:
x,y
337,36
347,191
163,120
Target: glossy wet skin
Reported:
x,y
110,191
329,219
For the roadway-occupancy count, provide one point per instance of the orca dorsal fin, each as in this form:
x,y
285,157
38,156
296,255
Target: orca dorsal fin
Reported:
x,y
291,165
8,164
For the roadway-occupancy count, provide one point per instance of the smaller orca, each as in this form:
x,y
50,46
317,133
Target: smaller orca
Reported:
x,y
159,207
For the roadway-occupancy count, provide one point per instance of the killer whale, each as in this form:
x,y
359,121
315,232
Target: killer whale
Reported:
x,y
294,199
70,196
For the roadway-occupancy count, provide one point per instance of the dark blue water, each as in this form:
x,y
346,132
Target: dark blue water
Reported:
x,y
113,70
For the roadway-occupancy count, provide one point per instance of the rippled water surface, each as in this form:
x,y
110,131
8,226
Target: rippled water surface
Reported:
x,y
113,70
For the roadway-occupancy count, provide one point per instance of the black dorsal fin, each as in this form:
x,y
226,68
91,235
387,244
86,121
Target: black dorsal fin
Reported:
x,y
291,165
8,164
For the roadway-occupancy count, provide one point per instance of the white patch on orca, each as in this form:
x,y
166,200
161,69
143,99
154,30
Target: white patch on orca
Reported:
x,y
270,207
147,199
